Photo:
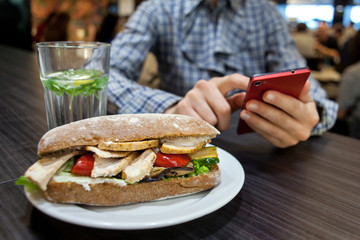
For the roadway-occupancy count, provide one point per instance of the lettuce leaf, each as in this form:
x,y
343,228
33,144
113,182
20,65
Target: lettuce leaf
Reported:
x,y
202,166
69,165
27,183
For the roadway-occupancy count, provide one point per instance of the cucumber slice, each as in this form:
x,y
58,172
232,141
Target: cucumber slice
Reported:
x,y
205,152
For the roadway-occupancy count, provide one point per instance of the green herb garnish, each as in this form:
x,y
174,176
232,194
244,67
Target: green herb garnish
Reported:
x,y
77,82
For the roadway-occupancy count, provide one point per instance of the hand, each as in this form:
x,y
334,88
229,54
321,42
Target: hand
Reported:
x,y
282,119
207,100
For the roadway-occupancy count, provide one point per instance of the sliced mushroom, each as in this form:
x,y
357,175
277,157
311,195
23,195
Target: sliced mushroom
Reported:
x,y
178,171
157,173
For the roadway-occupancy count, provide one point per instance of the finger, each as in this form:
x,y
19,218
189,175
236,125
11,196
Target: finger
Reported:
x,y
277,142
230,82
212,100
288,104
195,103
294,127
236,101
277,136
220,107
185,107
206,112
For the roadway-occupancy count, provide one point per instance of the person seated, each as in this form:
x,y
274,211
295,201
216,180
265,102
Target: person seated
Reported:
x,y
304,41
57,28
327,45
348,118
206,51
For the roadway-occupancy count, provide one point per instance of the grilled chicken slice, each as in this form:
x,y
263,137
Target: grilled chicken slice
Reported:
x,y
140,167
43,170
106,154
128,146
183,145
107,167
174,149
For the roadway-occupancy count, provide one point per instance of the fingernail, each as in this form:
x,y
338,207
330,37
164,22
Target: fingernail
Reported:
x,y
252,106
245,116
269,97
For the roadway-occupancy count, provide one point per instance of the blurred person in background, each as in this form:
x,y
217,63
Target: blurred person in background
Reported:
x,y
39,36
349,32
206,50
327,45
337,31
57,28
347,52
108,28
348,122
304,41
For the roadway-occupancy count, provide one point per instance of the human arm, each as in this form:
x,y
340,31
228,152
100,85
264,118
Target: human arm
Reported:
x,y
330,52
280,53
349,90
128,53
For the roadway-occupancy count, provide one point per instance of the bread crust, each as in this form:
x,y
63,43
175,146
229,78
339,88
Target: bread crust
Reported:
x,y
110,194
122,128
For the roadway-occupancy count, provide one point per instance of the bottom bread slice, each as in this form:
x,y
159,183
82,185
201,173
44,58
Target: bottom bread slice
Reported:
x,y
110,194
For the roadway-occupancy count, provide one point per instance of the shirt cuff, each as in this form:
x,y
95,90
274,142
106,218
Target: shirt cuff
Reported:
x,y
327,113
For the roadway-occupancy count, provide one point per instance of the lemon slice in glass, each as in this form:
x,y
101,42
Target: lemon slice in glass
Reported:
x,y
78,83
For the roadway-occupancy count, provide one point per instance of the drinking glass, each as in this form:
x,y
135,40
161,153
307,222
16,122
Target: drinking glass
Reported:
x,y
74,76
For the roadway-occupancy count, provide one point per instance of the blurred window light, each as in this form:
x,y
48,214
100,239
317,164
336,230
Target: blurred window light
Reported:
x,y
310,13
355,14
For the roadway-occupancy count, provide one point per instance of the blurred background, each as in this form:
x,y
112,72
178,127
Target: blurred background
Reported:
x,y
24,22
326,32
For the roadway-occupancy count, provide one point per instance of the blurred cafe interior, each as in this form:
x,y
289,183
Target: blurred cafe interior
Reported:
x,y
326,32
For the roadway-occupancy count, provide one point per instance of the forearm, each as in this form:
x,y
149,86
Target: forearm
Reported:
x,y
128,53
130,97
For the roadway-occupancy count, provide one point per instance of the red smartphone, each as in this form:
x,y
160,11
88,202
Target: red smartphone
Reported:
x,y
290,82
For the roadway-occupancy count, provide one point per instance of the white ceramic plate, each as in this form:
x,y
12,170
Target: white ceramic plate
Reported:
x,y
152,214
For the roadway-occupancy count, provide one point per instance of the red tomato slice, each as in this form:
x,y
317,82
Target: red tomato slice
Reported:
x,y
84,165
171,160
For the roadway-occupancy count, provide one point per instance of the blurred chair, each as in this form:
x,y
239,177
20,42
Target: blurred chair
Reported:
x,y
108,28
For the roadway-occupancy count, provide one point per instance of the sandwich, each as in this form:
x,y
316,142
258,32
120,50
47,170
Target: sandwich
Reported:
x,y
123,159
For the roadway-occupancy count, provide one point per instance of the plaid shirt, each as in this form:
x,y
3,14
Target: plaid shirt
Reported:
x,y
193,41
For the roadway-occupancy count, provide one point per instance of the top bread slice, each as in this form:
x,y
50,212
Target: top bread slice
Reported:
x,y
123,128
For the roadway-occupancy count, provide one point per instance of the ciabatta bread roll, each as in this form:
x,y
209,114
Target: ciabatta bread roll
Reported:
x,y
123,159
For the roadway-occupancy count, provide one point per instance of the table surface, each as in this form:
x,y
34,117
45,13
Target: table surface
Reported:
x,y
310,191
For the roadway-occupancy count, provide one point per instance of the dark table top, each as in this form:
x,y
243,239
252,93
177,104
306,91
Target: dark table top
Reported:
x,y
310,191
